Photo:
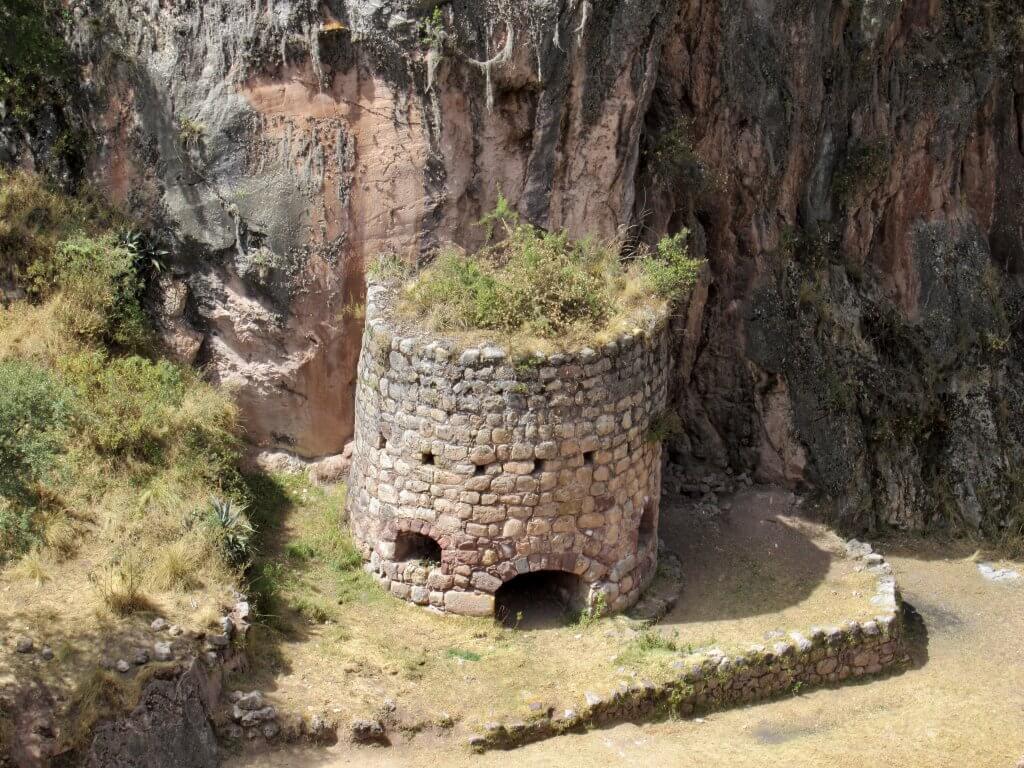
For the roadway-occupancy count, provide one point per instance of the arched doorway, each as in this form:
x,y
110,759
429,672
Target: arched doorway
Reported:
x,y
540,600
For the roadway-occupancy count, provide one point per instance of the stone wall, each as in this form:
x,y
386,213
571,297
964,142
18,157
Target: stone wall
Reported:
x,y
711,680
509,466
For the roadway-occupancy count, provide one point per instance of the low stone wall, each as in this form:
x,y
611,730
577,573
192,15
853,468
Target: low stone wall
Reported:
x,y
505,467
712,680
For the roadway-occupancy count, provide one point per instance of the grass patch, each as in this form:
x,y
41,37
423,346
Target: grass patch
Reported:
x,y
643,646
34,409
529,284
97,433
119,586
35,218
458,653
308,565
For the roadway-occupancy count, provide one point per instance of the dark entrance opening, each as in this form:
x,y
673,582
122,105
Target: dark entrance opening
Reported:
x,y
416,546
647,523
540,600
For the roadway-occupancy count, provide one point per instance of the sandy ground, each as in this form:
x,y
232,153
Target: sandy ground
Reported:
x,y
963,704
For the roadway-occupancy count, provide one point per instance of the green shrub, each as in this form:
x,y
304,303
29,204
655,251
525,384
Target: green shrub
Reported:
x,y
190,132
670,270
544,285
97,275
535,282
387,267
664,426
34,218
34,410
129,403
234,531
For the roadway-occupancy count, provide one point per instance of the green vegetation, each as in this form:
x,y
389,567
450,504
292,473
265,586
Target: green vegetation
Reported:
x,y
39,84
234,531
589,615
34,219
670,271
33,410
190,132
532,283
432,29
458,653
34,59
307,566
672,160
96,432
664,426
647,643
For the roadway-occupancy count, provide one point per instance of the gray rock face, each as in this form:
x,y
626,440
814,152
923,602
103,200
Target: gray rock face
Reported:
x,y
862,221
275,195
169,728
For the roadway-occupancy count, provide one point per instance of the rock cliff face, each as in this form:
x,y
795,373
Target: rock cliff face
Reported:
x,y
853,171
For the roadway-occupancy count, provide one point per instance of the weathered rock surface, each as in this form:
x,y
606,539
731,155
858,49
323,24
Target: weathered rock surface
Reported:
x,y
853,172
170,727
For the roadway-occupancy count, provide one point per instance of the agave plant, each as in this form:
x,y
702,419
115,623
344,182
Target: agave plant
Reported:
x,y
235,529
147,250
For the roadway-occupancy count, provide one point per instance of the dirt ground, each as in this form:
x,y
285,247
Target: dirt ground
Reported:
x,y
61,610
962,705
748,572
758,568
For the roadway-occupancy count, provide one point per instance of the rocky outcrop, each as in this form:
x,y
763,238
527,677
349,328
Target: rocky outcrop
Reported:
x,y
284,146
851,170
169,727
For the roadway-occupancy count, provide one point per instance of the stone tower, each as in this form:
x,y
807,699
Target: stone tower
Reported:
x,y
471,469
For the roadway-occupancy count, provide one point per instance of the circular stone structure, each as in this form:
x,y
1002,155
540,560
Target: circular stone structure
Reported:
x,y
471,470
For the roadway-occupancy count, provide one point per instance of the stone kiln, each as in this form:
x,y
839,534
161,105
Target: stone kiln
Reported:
x,y
471,469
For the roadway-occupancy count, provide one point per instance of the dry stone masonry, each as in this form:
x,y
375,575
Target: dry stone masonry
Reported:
x,y
709,680
471,468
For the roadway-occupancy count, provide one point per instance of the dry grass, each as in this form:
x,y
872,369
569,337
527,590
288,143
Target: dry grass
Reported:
x,y
68,614
175,568
119,586
116,523
101,695
336,633
33,566
61,539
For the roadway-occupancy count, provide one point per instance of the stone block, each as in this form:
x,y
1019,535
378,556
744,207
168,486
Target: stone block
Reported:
x,y
469,604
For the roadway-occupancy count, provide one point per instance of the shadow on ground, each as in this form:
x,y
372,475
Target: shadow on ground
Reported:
x,y
748,561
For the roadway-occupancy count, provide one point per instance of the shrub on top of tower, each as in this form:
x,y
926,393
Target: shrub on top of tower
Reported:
x,y
528,283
